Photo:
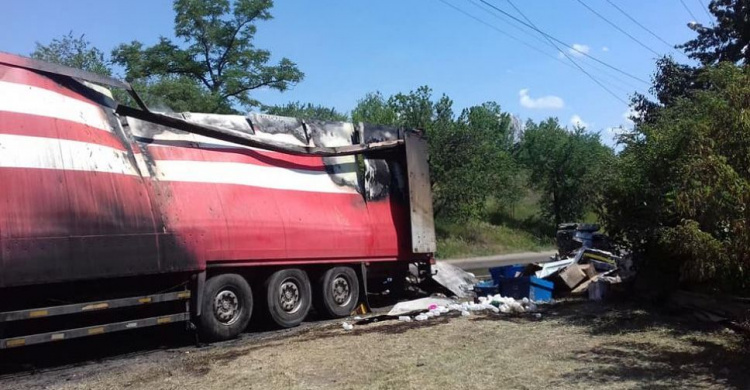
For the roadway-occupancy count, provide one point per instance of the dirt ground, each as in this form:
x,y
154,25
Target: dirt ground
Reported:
x,y
575,344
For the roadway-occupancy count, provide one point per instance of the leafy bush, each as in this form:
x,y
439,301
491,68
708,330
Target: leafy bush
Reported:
x,y
683,185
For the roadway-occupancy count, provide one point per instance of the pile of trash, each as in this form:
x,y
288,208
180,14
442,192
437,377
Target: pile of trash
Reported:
x,y
582,266
590,262
426,308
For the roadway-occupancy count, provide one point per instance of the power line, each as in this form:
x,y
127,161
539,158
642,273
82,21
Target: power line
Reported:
x,y
688,10
618,27
628,86
517,27
705,9
565,44
639,24
500,30
594,79
561,54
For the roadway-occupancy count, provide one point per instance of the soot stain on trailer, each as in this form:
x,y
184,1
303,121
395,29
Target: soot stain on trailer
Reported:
x,y
342,170
382,170
273,125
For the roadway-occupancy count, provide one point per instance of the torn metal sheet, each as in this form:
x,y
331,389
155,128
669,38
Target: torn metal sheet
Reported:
x,y
234,122
279,128
552,267
418,305
456,280
245,139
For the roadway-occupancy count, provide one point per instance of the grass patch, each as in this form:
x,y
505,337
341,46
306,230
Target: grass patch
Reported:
x,y
478,238
506,229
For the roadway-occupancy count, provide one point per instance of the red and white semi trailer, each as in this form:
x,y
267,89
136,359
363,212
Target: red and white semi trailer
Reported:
x,y
115,218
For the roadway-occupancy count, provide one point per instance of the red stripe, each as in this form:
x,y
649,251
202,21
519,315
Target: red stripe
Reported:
x,y
27,77
42,126
237,155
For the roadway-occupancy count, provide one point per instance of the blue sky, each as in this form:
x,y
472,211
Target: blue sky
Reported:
x,y
349,48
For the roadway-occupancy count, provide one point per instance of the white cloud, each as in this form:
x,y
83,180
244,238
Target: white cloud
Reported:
x,y
615,131
549,101
578,50
611,134
576,121
605,48
630,113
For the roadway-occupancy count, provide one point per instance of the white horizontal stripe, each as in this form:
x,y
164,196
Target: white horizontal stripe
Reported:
x,y
19,151
249,175
27,99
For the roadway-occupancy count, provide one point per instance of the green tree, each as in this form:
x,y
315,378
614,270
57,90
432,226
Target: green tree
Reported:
x,y
307,111
726,40
218,55
75,52
469,156
415,109
174,93
374,108
563,166
682,190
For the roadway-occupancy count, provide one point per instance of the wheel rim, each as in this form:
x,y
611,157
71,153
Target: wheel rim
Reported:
x,y
227,307
341,291
289,296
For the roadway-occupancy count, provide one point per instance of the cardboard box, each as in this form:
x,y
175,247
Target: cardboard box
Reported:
x,y
572,276
589,270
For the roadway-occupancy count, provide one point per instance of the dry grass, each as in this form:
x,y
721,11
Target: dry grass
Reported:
x,y
576,344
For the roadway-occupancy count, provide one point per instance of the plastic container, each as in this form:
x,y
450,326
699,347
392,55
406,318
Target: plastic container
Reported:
x,y
486,287
528,287
506,271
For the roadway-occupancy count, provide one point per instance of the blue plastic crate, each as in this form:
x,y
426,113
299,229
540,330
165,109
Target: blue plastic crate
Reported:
x,y
527,287
506,271
486,287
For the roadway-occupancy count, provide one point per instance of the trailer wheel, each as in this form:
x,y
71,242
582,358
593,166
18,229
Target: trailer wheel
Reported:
x,y
288,296
227,307
337,292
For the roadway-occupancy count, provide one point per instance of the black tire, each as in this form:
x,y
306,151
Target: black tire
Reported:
x,y
217,321
331,299
296,284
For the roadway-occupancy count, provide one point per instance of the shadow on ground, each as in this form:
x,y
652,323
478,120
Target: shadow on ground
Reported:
x,y
121,345
694,351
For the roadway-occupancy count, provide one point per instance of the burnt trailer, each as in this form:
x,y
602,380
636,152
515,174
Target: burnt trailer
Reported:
x,y
115,217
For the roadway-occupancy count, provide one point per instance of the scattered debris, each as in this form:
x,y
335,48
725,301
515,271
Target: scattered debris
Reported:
x,y
573,236
418,305
487,287
573,275
528,287
426,308
584,269
455,279
553,267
